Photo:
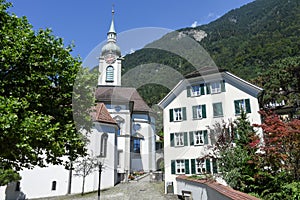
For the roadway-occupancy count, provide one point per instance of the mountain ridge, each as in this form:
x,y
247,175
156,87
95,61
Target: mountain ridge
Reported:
x,y
244,41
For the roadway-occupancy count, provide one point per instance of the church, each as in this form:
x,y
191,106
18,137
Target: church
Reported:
x,y
136,136
122,138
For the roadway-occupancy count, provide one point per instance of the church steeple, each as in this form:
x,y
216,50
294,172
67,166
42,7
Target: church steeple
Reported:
x,y
110,59
112,35
111,46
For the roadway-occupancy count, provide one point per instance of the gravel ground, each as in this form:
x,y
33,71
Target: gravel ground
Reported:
x,y
140,190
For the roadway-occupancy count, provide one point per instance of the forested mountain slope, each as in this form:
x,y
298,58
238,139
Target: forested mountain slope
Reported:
x,y
245,41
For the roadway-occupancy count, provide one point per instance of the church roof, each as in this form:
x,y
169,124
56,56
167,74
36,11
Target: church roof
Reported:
x,y
122,94
101,114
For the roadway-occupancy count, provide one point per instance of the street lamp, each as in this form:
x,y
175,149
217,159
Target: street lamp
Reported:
x,y
100,165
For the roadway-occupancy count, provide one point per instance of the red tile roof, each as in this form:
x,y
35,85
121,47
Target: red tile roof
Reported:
x,y
101,114
225,190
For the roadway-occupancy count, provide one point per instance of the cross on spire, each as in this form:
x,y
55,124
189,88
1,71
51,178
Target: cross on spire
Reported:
x,y
112,26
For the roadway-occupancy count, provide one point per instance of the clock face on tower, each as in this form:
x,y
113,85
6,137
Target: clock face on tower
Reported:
x,y
110,58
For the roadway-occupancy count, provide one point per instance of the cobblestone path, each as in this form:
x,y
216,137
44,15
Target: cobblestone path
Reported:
x,y
140,190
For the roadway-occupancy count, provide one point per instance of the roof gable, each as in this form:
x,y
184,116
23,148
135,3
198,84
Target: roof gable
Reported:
x,y
101,114
210,75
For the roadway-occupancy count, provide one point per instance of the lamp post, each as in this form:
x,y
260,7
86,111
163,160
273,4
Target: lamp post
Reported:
x,y
100,165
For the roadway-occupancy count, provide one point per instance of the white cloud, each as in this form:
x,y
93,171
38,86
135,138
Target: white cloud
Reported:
x,y
194,24
211,15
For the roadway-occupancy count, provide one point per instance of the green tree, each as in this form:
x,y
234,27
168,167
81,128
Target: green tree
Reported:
x,y
37,75
281,81
235,156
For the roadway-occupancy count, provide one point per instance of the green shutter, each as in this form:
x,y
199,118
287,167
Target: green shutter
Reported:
x,y
185,137
205,136
187,166
202,89
173,167
194,108
171,115
191,138
237,107
207,162
215,166
248,108
193,166
184,113
188,91
223,86
207,88
204,111
172,139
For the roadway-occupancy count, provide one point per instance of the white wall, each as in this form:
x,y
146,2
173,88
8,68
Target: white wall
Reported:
x,y
147,150
37,182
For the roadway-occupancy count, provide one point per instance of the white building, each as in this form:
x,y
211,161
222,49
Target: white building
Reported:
x,y
190,112
136,138
55,180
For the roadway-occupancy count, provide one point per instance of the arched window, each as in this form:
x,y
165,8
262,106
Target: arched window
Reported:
x,y
110,74
53,187
103,145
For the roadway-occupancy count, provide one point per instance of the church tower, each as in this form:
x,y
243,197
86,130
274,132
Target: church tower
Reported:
x,y
110,61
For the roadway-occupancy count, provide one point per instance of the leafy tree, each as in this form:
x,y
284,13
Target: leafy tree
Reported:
x,y
37,75
235,156
281,81
281,145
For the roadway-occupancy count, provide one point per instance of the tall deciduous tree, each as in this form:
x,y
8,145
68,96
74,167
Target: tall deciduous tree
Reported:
x,y
37,75
281,81
281,145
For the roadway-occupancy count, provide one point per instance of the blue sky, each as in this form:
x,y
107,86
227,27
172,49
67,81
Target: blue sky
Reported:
x,y
86,22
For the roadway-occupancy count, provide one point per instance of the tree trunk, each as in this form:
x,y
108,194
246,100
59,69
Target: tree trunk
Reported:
x,y
83,182
70,178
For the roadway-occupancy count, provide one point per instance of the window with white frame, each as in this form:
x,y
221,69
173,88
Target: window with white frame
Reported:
x,y
103,146
196,90
242,104
198,138
180,167
217,109
199,111
177,114
200,166
215,87
110,74
179,140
